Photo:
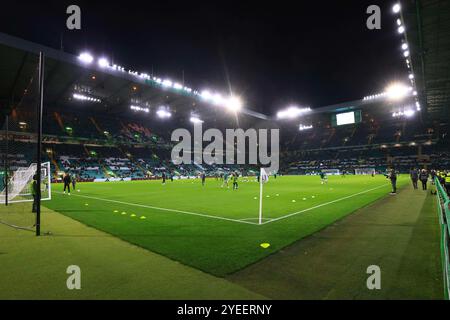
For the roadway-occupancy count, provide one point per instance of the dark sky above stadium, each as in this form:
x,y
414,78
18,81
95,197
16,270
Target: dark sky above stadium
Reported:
x,y
312,53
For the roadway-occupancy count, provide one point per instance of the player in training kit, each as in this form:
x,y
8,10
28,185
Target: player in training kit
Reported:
x,y
74,182
225,180
323,177
66,180
203,177
235,177
163,176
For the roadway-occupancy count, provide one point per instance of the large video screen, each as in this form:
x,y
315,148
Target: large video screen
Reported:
x,y
345,118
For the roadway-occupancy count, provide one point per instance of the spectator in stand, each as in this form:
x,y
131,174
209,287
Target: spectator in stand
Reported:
x,y
447,182
423,176
414,174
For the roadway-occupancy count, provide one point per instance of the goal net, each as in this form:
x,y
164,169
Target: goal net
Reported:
x,y
19,152
365,171
18,187
331,172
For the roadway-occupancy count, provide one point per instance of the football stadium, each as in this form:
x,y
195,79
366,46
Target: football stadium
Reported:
x,y
118,182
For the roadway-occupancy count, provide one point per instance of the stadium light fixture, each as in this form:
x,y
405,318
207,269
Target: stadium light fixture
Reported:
x,y
302,127
195,119
399,22
83,97
292,112
206,94
411,76
86,57
397,91
167,83
217,99
140,109
396,8
409,113
404,46
418,105
177,86
103,62
406,53
233,104
401,29
163,113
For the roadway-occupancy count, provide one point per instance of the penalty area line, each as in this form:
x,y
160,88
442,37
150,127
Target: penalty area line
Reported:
x,y
161,209
321,205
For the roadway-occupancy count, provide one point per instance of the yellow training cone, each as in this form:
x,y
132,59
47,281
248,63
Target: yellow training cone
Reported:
x,y
265,245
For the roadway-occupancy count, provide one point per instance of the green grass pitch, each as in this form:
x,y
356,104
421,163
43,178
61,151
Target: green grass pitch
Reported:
x,y
212,228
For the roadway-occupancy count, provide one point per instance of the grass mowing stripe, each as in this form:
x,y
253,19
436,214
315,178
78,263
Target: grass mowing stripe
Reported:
x,y
209,244
229,219
163,209
321,205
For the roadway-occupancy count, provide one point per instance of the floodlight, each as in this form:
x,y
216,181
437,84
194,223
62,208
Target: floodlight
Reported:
x,y
167,83
205,94
234,104
103,62
401,29
406,53
404,46
409,113
195,120
399,22
396,8
291,112
397,91
302,127
411,76
163,113
86,57
217,99
177,86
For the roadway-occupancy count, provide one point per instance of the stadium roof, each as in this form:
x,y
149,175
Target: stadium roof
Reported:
x,y
428,31
104,89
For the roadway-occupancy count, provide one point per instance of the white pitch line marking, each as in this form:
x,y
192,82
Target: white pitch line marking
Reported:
x,y
321,205
164,209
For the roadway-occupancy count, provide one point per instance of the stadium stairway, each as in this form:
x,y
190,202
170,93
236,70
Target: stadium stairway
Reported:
x,y
400,234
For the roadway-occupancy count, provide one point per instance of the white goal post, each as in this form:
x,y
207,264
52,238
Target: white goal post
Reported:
x,y
364,171
18,186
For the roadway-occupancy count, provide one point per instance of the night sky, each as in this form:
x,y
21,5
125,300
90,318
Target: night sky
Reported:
x,y
311,53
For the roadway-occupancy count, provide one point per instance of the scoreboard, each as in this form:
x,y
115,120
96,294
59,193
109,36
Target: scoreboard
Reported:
x,y
345,118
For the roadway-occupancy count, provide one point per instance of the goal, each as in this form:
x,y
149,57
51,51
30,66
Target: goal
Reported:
x,y
331,172
365,171
18,186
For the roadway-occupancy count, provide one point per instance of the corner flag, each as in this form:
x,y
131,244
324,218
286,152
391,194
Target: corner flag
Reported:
x,y
263,178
